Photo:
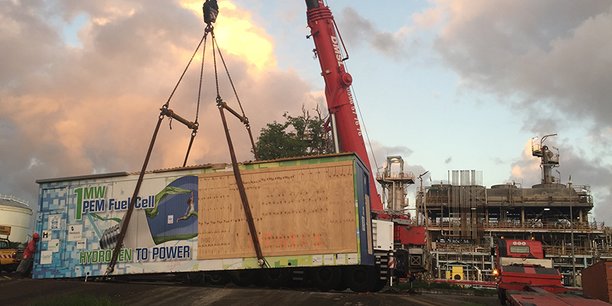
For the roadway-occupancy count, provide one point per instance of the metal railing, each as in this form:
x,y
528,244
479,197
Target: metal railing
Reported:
x,y
462,248
13,198
556,250
455,224
578,251
395,175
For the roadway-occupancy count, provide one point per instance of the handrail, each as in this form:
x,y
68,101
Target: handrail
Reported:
x,y
13,198
516,225
395,175
548,250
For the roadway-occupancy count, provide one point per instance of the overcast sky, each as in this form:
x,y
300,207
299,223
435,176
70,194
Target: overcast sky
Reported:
x,y
446,84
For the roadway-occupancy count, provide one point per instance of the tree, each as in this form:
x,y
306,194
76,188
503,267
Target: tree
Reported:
x,y
297,136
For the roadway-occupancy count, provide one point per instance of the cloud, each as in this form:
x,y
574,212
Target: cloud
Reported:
x,y
526,170
357,29
74,111
583,171
550,54
379,153
589,171
551,62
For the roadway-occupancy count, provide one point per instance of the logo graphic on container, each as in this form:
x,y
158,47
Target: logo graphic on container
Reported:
x,y
173,217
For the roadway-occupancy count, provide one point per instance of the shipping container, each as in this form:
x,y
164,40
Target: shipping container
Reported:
x,y
597,281
308,212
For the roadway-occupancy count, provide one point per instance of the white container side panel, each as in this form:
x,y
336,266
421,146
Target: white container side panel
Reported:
x,y
383,235
80,220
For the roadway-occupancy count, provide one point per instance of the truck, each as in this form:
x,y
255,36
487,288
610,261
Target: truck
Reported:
x,y
10,255
311,214
317,220
526,277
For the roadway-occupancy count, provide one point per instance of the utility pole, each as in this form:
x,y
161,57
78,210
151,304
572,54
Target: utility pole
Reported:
x,y
573,246
421,200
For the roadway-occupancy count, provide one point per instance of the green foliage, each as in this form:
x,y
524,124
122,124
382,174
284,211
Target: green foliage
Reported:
x,y
297,136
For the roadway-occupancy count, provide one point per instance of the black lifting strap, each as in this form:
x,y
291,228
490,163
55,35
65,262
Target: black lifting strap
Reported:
x,y
164,111
221,105
210,10
195,122
242,117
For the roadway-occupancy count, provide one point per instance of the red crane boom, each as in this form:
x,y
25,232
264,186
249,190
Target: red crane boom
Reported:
x,y
345,124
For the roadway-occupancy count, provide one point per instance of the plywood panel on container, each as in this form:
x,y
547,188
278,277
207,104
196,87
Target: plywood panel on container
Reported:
x,y
298,210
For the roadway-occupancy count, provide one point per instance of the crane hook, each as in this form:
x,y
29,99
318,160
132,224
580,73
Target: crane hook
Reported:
x,y
210,10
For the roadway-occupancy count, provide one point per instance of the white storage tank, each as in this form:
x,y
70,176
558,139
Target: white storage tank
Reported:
x,y
18,215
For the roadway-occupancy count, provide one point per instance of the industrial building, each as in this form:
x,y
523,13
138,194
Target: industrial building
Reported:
x,y
464,219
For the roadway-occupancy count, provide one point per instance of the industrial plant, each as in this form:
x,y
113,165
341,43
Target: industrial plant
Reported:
x,y
464,220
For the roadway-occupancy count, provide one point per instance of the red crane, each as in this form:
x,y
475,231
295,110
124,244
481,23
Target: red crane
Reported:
x,y
345,124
